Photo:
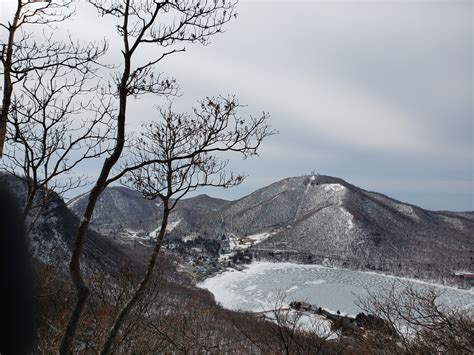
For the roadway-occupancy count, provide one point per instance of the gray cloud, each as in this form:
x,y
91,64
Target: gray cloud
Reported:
x,y
376,92
379,93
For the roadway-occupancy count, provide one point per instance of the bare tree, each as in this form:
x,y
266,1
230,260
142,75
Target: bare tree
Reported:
x,y
286,325
296,330
177,155
22,53
56,122
416,321
141,23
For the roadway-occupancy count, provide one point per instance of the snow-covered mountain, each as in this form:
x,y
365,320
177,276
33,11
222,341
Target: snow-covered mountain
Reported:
x,y
122,212
322,218
118,209
310,219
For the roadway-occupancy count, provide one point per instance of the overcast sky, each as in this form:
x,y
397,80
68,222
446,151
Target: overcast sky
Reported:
x,y
379,93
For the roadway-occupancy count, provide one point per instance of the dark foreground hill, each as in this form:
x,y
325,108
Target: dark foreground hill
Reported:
x,y
52,237
173,317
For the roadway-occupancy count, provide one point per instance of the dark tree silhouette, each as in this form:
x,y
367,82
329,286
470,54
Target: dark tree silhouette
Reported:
x,y
55,124
176,155
141,23
16,299
416,321
23,53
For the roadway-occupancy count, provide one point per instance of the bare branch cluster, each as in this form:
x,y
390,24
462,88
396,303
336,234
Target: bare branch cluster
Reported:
x,y
140,23
31,54
56,122
177,154
45,12
58,118
23,53
418,321
164,24
168,22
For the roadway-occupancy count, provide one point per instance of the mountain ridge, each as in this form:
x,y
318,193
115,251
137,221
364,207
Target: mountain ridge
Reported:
x,y
314,218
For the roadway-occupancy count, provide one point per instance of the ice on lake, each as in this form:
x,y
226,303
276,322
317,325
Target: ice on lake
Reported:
x,y
258,287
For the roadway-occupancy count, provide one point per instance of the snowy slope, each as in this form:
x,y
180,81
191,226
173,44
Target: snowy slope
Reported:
x,y
313,218
53,236
122,212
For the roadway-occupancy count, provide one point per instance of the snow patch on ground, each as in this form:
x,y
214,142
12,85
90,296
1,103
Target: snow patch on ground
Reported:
x,y
233,242
225,257
456,222
133,235
242,243
303,197
172,225
260,237
305,321
349,218
406,210
154,234
318,325
334,187
189,237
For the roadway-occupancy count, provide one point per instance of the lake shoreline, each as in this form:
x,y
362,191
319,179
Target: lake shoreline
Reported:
x,y
250,289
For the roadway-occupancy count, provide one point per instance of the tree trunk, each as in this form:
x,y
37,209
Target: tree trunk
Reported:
x,y
107,348
7,80
82,291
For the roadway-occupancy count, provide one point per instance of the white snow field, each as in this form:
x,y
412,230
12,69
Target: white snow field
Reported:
x,y
258,287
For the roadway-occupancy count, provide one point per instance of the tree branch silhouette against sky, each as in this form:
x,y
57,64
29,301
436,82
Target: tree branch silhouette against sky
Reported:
x,y
378,93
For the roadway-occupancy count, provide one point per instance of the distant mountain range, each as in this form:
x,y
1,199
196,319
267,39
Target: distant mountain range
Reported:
x,y
124,212
310,219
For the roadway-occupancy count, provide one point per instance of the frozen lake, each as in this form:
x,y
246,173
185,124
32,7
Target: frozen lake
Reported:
x,y
257,287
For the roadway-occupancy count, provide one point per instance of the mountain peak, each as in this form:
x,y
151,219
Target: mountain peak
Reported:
x,y
310,214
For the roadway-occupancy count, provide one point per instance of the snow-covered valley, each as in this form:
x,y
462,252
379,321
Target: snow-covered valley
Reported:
x,y
261,285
